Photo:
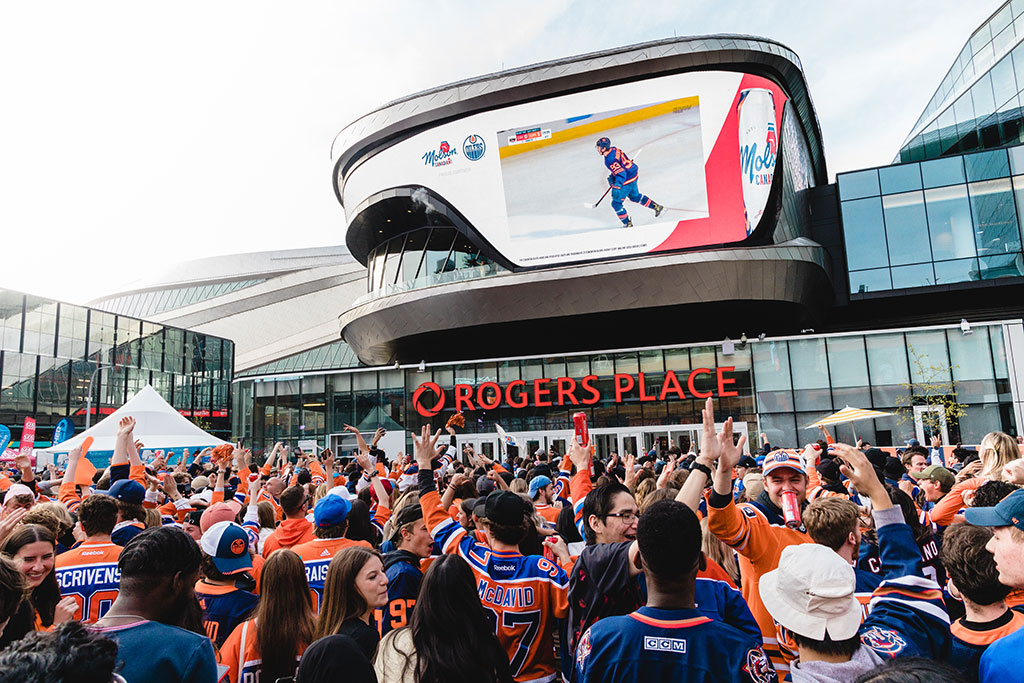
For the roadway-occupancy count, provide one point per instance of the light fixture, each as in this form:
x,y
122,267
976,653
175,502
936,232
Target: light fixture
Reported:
x,y
965,327
396,366
743,340
422,367
807,330
728,347
761,336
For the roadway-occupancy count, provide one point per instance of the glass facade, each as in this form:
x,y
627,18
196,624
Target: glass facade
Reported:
x,y
151,303
423,258
781,386
49,351
334,356
937,222
978,104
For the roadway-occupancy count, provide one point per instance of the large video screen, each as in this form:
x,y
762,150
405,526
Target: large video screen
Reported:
x,y
684,161
648,169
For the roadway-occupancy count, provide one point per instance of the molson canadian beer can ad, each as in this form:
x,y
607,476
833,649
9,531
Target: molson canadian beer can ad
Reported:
x,y
759,145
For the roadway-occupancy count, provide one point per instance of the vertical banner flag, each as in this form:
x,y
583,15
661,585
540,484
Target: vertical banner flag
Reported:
x,y
63,431
5,437
28,437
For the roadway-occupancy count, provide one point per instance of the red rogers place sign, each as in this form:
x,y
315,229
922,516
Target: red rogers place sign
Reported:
x,y
429,398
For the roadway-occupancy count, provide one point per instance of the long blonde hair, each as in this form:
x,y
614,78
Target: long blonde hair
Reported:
x,y
997,449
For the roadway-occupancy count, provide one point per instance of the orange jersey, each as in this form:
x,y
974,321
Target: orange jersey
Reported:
x,y
89,573
548,512
316,556
759,540
525,596
241,656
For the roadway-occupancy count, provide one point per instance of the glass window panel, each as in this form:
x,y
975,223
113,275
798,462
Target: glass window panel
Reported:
x,y
982,36
780,429
627,363
995,220
970,354
1017,159
940,175
963,110
533,369
887,366
439,246
912,276
772,376
508,371
847,362
650,361
900,178
940,172
1018,7
864,232
809,365
391,265
1001,19
370,263
929,361
1005,265
987,165
949,222
906,228
858,185
677,360
554,367
1004,84
602,365
579,367
415,243
977,421
981,97
961,270
877,280
703,356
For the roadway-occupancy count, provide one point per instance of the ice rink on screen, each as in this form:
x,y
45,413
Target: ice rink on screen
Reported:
x,y
549,192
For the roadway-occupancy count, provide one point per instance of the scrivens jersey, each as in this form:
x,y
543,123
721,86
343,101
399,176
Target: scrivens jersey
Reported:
x,y
241,656
316,556
224,608
669,645
89,573
523,595
623,169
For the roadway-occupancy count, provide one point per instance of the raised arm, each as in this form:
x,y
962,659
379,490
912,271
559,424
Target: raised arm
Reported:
x,y
121,443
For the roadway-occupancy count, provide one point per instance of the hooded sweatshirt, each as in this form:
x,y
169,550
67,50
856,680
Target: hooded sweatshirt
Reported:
x,y
864,659
290,533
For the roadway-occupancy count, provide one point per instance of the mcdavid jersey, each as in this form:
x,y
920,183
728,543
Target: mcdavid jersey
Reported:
x,y
241,656
669,645
89,573
224,608
523,595
622,168
316,556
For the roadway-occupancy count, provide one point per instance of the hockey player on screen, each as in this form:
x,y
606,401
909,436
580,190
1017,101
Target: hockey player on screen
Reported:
x,y
623,177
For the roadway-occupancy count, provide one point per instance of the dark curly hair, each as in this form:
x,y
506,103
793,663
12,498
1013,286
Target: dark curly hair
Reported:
x,y
71,653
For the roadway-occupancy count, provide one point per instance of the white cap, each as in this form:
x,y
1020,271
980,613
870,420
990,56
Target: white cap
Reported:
x,y
18,490
341,492
812,592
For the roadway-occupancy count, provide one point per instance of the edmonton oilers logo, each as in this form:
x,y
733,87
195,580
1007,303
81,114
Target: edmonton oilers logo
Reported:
x,y
473,148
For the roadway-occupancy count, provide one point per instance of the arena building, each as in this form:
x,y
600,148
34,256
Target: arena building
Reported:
x,y
499,261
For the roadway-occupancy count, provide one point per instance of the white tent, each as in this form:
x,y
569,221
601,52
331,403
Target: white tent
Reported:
x,y
157,424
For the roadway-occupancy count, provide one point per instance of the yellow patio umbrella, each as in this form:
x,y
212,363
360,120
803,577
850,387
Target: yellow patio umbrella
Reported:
x,y
848,414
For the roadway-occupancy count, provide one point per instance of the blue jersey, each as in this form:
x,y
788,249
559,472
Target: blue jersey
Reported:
x,y
224,608
669,645
404,577
623,169
1000,660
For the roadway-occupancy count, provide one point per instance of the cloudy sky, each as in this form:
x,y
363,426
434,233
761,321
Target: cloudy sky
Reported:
x,y
137,135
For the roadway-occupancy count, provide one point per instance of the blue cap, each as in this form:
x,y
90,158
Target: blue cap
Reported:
x,y
913,442
331,510
128,490
537,483
227,544
1009,512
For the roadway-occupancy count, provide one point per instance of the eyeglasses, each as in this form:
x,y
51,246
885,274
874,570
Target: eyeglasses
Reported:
x,y
626,517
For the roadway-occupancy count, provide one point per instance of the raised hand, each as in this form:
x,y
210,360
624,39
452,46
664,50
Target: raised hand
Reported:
x,y
360,441
580,455
630,470
858,469
11,522
126,426
424,447
666,473
377,436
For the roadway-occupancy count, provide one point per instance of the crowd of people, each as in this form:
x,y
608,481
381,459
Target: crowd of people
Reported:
x,y
824,563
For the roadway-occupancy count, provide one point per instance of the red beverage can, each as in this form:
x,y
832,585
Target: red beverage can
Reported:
x,y
579,421
790,509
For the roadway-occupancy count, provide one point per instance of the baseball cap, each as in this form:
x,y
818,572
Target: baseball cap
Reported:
x,y
225,511
480,508
913,442
894,469
18,490
388,485
331,510
484,485
811,593
746,461
877,457
779,459
940,475
128,490
537,483
829,469
200,483
504,508
227,544
410,513
1009,512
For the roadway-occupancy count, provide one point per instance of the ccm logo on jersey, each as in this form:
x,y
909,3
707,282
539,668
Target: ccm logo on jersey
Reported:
x,y
665,644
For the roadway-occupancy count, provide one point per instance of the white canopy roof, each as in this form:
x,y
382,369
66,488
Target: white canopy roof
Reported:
x,y
157,424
